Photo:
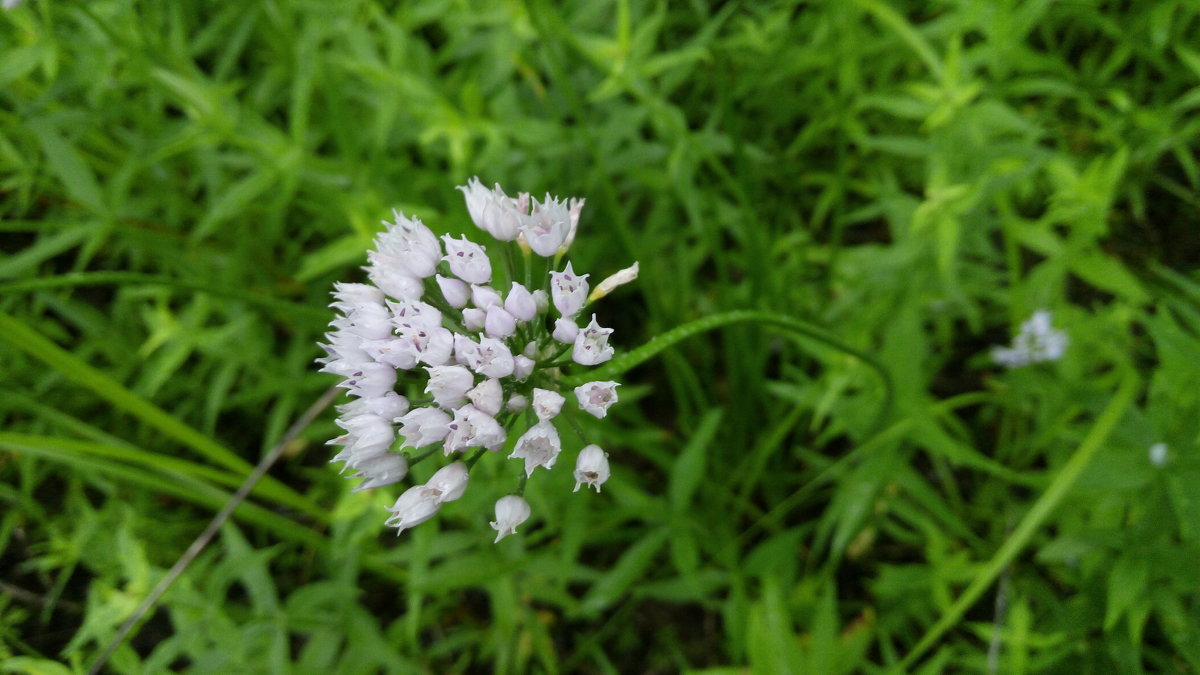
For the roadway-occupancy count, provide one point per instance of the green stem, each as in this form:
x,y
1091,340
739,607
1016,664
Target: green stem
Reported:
x,y
1033,520
798,328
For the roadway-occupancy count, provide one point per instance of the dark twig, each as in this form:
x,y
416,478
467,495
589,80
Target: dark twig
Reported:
x,y
214,526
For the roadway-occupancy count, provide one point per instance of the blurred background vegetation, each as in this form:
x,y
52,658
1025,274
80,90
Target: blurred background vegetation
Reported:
x,y
182,182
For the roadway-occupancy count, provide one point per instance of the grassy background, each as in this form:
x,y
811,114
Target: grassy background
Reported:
x,y
181,183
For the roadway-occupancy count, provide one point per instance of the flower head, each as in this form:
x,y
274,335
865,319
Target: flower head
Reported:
x,y
474,361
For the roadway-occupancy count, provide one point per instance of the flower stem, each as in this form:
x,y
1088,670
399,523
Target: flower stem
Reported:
x,y
475,457
678,334
417,458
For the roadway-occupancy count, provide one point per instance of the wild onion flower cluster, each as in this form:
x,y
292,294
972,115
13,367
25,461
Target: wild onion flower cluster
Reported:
x,y
486,359
1038,341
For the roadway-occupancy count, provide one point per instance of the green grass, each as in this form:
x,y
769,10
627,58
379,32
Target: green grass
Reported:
x,y
181,183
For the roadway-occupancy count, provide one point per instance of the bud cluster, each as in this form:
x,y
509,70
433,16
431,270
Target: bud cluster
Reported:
x,y
434,324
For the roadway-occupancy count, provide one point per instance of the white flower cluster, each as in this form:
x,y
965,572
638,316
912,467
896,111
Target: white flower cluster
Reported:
x,y
432,321
1037,342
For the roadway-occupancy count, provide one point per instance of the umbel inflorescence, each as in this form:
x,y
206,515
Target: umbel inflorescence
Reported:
x,y
483,357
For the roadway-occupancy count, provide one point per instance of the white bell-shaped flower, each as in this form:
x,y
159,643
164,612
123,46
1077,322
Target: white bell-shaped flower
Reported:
x,y
569,291
448,483
493,358
473,428
493,211
424,426
366,435
413,507
511,511
380,470
449,384
596,397
406,246
591,344
546,404
547,227
539,446
591,467
371,380
348,296
395,283
468,261
389,406
487,396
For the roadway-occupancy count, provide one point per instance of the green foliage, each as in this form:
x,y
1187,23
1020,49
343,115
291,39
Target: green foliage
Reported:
x,y
897,184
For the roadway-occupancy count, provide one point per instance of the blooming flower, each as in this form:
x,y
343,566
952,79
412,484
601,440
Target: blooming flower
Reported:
x,y
511,511
1037,342
468,261
380,470
591,467
591,344
539,446
596,397
448,483
413,507
546,229
546,403
569,291
430,327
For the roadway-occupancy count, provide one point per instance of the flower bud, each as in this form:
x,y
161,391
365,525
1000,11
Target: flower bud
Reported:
x,y
522,367
541,301
484,297
565,331
516,403
623,277
473,319
499,323
456,292
520,303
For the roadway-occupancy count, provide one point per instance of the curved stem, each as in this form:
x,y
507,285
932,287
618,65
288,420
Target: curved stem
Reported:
x,y
798,328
